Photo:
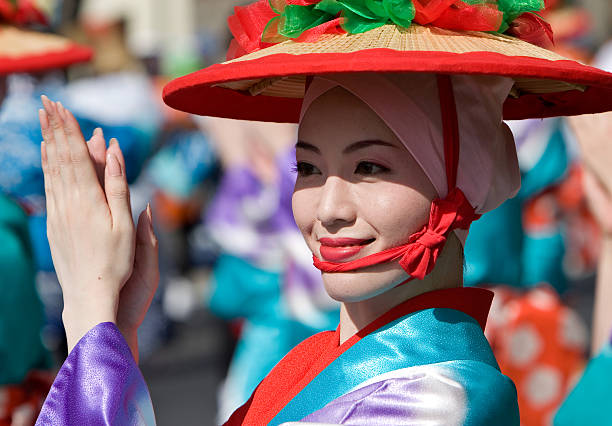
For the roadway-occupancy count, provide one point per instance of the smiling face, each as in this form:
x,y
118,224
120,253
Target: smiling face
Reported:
x,y
358,192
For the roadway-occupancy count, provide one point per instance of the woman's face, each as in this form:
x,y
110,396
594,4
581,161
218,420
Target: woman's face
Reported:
x,y
358,192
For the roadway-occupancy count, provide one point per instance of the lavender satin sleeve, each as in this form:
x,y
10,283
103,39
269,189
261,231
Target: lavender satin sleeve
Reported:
x,y
422,399
98,384
448,393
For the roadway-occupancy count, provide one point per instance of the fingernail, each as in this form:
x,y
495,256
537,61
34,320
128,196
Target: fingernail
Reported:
x,y
151,230
114,168
46,104
113,141
44,120
98,131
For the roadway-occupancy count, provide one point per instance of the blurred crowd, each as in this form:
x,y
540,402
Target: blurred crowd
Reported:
x,y
220,192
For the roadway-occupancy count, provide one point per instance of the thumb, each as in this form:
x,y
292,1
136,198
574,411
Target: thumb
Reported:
x,y
138,292
146,241
116,188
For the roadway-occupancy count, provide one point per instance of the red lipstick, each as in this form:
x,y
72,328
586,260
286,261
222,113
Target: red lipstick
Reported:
x,y
339,249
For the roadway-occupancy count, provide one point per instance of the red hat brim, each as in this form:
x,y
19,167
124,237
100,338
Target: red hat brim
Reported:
x,y
41,52
571,88
196,93
62,59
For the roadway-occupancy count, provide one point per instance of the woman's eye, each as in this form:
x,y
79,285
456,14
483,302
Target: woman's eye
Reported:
x,y
369,168
306,169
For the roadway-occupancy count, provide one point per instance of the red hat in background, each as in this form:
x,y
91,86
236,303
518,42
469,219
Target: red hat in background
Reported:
x,y
24,50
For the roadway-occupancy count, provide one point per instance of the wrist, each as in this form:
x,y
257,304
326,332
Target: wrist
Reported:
x,y
131,337
79,318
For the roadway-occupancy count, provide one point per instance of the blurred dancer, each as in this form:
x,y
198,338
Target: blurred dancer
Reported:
x,y
525,249
518,250
24,380
588,403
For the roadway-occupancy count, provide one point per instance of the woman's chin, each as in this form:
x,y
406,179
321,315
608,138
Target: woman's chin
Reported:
x,y
357,286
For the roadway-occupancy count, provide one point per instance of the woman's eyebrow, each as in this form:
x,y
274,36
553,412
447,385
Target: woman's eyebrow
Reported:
x,y
307,146
367,143
351,148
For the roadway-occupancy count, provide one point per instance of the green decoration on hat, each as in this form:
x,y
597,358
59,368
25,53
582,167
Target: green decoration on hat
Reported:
x,y
359,16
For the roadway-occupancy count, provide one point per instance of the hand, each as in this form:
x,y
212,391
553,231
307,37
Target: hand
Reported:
x,y
593,133
137,293
90,228
599,200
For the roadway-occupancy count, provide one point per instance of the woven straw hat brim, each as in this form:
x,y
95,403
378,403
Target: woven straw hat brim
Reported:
x,y
268,85
30,51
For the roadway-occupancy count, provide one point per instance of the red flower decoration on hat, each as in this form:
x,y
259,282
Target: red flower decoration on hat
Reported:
x,y
21,13
268,22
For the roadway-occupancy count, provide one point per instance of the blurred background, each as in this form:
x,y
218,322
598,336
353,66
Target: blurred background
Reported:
x,y
237,287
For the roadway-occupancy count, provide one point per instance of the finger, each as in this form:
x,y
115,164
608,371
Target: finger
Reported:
x,y
97,152
145,235
146,242
47,179
146,257
80,161
113,146
58,136
117,192
138,292
52,178
115,149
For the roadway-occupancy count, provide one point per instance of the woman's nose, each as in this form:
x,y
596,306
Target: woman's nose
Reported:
x,y
335,203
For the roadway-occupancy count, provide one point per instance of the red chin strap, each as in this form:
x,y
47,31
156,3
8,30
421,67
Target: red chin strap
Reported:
x,y
418,257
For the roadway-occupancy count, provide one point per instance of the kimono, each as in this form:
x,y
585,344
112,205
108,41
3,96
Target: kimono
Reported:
x,y
589,402
424,361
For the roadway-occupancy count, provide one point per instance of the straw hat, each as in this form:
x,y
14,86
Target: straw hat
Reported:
x,y
268,82
23,50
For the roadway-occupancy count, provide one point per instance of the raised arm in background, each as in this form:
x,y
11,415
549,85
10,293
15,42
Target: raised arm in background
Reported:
x,y
593,133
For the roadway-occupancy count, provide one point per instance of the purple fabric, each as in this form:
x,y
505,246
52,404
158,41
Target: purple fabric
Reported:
x,y
236,184
422,397
248,218
98,384
240,183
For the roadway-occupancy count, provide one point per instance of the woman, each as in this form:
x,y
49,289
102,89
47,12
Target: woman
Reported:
x,y
392,169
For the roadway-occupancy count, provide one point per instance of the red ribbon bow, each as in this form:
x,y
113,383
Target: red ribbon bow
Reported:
x,y
419,256
424,247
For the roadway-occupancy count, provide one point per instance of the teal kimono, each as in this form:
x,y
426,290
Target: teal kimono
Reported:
x,y
426,361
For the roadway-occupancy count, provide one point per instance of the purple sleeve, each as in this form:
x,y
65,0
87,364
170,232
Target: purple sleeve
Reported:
x,y
397,401
450,393
98,384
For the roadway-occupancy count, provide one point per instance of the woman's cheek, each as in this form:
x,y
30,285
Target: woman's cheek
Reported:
x,y
304,213
396,212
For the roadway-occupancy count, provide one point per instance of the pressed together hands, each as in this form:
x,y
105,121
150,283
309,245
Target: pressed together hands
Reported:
x,y
107,268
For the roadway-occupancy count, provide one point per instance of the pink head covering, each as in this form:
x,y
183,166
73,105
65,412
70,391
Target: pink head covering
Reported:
x,y
434,116
488,171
